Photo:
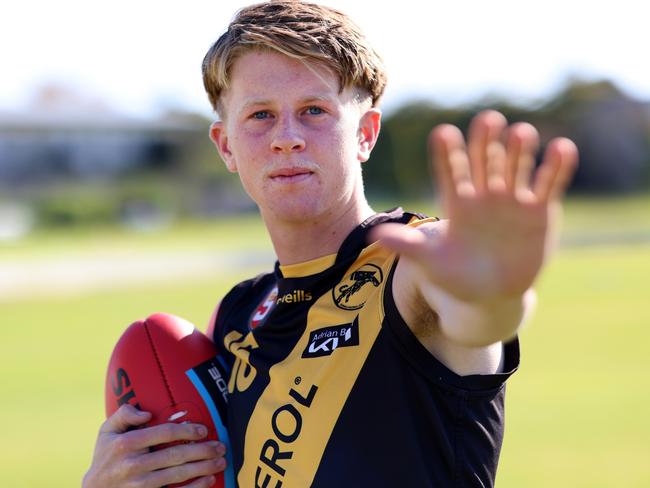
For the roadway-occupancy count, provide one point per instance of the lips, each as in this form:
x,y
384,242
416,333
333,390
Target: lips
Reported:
x,y
290,175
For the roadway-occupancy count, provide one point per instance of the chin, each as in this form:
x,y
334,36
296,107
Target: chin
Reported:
x,y
294,211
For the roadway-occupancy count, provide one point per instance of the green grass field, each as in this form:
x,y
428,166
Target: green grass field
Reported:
x,y
577,411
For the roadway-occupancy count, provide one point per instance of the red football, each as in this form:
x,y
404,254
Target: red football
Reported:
x,y
165,366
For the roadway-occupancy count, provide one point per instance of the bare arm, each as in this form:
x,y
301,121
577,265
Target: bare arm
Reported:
x,y
475,272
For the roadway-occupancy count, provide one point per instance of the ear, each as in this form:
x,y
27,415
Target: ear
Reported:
x,y
369,127
220,139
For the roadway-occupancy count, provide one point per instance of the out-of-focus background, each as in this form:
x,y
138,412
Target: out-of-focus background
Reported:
x,y
114,205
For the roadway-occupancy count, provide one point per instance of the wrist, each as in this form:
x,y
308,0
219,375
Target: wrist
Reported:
x,y
479,323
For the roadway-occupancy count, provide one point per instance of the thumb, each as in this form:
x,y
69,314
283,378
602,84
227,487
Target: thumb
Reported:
x,y
124,418
402,239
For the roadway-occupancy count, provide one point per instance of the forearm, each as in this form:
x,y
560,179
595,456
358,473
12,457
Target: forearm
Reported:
x,y
479,323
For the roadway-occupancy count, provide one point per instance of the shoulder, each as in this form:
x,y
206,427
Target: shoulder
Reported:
x,y
430,226
240,301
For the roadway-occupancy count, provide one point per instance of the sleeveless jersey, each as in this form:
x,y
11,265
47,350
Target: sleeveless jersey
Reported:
x,y
329,386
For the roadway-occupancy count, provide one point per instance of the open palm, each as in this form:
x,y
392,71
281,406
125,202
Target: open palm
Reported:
x,y
500,209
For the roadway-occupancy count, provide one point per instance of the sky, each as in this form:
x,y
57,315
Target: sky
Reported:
x,y
142,57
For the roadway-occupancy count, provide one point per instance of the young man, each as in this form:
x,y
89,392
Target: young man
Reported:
x,y
376,352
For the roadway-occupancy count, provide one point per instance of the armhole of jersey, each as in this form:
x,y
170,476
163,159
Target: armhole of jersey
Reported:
x,y
427,364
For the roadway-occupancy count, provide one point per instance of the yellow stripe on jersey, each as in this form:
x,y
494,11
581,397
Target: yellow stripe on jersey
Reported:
x,y
295,415
310,267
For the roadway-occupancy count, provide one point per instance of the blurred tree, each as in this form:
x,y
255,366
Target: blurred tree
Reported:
x,y
611,130
402,154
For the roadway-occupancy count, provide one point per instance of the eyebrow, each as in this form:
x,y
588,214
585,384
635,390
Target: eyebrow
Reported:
x,y
308,99
256,101
316,98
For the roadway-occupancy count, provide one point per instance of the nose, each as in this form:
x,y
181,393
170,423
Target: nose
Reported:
x,y
287,136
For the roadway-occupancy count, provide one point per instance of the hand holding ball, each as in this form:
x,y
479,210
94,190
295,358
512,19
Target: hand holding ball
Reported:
x,y
165,366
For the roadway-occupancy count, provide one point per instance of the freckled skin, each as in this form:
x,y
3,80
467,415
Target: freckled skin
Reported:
x,y
296,141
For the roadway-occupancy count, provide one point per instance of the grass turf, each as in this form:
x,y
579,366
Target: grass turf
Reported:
x,y
576,410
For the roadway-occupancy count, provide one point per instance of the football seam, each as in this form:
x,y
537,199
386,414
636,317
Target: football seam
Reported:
x,y
160,366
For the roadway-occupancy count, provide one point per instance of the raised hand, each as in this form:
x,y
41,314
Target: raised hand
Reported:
x,y
501,210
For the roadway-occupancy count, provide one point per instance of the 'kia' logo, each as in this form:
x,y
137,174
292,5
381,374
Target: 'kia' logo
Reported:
x,y
323,342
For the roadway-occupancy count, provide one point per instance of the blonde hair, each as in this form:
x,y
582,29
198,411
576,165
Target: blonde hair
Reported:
x,y
301,30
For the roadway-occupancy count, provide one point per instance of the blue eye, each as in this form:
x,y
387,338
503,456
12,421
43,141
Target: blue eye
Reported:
x,y
261,115
315,110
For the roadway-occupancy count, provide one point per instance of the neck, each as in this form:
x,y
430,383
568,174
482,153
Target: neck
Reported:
x,y
300,241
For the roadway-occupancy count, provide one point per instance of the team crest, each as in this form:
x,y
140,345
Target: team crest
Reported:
x,y
263,309
352,292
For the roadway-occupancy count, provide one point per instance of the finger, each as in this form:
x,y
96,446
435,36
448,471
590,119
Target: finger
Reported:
x,y
554,175
522,144
124,418
567,170
484,146
181,454
184,472
163,434
495,166
204,482
450,161
401,238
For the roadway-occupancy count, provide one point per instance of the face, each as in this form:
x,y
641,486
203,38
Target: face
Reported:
x,y
296,142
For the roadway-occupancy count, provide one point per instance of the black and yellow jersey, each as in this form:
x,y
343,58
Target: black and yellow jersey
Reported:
x,y
329,387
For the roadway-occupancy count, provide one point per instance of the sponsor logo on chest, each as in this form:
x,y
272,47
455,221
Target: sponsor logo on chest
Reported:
x,y
323,342
277,451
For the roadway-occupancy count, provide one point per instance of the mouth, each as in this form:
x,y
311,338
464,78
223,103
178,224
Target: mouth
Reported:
x,y
290,175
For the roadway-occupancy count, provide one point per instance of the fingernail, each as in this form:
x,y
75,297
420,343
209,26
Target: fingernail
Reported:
x,y
201,430
219,447
142,413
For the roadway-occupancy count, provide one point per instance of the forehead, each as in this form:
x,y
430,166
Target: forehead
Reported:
x,y
270,75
